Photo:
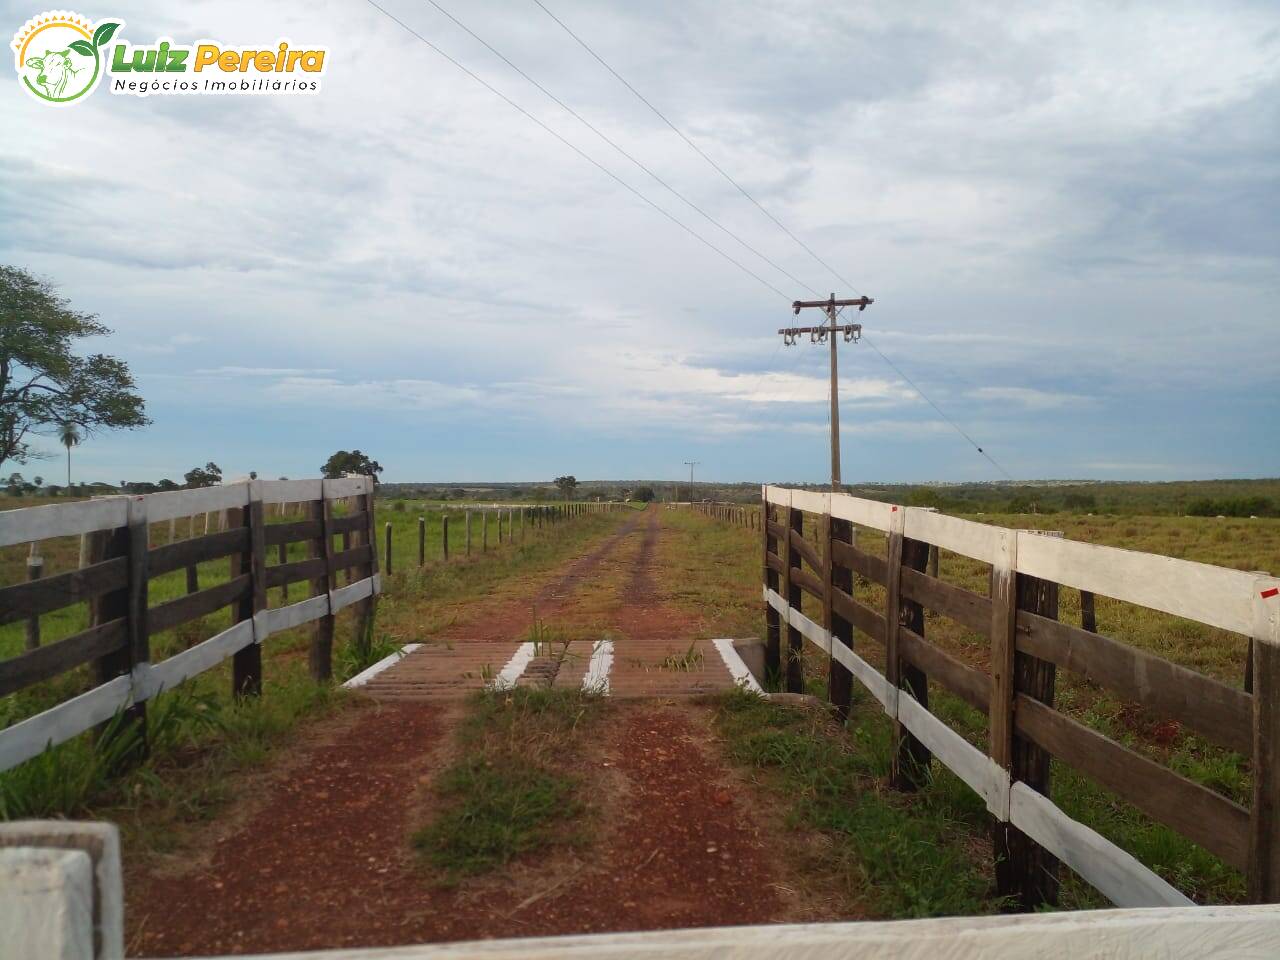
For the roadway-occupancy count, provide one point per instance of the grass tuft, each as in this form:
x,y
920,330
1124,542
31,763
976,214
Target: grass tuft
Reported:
x,y
512,792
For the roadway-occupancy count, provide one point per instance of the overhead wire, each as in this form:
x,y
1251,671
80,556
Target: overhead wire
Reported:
x,y
743,190
618,147
583,154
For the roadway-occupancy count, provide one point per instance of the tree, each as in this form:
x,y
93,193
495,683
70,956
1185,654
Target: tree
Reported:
x,y
68,436
207,476
566,485
167,484
43,385
351,461
642,494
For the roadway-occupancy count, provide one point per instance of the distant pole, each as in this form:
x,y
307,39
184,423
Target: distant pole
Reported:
x,y
387,565
444,535
691,464
422,541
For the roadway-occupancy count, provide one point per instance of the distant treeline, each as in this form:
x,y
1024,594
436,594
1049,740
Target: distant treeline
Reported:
x,y
1203,498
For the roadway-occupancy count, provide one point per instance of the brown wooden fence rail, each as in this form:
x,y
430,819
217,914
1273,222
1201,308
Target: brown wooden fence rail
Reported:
x,y
121,562
1018,618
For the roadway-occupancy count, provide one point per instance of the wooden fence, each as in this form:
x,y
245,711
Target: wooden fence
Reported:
x,y
512,521
1027,643
120,562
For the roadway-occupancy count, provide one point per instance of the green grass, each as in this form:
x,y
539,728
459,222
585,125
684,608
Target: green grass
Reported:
x,y
511,792
897,856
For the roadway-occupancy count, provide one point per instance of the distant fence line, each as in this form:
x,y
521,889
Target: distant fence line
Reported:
x,y
1019,619
516,517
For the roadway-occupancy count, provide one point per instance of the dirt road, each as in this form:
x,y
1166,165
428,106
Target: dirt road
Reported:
x,y
320,855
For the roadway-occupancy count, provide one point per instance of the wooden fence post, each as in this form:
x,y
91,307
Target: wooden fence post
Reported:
x,y
1025,871
499,528
444,536
772,620
246,664
387,547
910,757
193,571
1088,615
795,639
35,570
130,604
321,653
422,541
366,608
1264,814
839,680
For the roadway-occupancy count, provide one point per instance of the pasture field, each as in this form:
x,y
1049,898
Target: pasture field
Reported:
x,y
717,567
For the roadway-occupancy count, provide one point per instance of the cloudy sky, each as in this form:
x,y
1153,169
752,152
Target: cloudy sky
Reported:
x,y
1068,215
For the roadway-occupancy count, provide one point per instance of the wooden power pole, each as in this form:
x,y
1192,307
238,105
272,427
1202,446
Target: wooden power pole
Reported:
x,y
826,333
691,464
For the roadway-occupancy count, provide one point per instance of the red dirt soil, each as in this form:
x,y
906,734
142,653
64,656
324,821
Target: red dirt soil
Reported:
x,y
325,859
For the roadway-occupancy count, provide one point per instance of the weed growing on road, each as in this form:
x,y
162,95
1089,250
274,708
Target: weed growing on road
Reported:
x,y
511,791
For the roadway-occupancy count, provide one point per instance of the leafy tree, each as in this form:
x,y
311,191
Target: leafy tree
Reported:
x,y
43,385
566,485
207,476
1080,501
167,484
457,493
350,461
14,484
642,494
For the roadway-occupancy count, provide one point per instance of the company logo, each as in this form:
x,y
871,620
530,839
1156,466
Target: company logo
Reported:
x,y
61,56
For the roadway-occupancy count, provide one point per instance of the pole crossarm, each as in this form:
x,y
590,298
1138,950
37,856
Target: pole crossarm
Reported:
x,y
831,303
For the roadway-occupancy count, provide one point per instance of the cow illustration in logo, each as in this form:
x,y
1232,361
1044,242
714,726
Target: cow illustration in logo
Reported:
x,y
59,55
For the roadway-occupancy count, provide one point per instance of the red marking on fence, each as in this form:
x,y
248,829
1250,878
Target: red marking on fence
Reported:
x,y
1268,594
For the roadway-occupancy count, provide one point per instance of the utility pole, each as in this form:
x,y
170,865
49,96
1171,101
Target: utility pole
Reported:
x,y
691,464
852,333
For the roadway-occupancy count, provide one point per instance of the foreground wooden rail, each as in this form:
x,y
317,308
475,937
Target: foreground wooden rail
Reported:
x,y
121,563
1018,618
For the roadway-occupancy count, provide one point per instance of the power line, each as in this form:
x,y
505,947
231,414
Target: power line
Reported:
x,y
955,426
585,156
680,133
613,143
743,190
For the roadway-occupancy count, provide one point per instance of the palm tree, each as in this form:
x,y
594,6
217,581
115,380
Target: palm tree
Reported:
x,y
69,434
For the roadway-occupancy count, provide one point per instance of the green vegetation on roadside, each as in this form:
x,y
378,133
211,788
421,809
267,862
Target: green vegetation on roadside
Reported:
x,y
512,790
896,855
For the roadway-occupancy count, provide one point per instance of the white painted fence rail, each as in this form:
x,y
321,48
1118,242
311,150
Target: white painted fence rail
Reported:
x,y
33,735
